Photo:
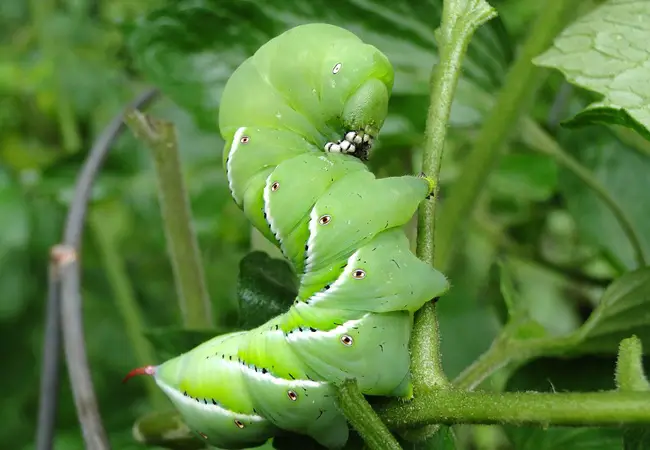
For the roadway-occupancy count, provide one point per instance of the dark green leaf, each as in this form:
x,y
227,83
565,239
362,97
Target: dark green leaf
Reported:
x,y
290,441
14,218
622,311
636,438
15,284
266,287
444,439
172,341
605,51
525,177
606,116
564,374
166,429
190,48
623,172
559,375
553,438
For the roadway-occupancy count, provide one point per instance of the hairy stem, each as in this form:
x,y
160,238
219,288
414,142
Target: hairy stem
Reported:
x,y
126,303
460,19
630,375
507,350
517,91
364,419
489,362
543,143
451,406
160,137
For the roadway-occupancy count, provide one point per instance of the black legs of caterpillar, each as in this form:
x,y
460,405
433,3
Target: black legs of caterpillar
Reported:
x,y
355,143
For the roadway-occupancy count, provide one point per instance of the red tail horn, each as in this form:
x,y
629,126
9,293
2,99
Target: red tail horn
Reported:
x,y
146,370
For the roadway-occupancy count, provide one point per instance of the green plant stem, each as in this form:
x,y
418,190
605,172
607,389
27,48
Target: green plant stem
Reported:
x,y
160,137
126,303
506,350
518,90
630,375
460,19
540,141
451,406
495,358
364,419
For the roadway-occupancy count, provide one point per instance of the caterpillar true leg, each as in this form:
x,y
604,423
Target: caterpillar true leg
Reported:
x,y
355,143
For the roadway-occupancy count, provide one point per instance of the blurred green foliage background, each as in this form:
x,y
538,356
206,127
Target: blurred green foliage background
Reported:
x,y
68,66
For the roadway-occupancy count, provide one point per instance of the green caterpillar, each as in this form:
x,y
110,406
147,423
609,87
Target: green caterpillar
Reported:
x,y
298,118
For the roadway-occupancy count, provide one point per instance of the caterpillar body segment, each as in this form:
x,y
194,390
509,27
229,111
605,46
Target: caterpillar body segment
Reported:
x,y
298,118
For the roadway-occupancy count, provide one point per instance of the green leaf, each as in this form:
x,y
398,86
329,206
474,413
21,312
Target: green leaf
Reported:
x,y
555,374
606,116
636,438
266,287
444,439
528,177
166,429
583,374
622,311
606,51
585,438
14,218
172,341
614,165
16,284
190,48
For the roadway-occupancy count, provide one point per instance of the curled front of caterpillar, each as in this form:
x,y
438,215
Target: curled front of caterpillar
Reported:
x,y
299,117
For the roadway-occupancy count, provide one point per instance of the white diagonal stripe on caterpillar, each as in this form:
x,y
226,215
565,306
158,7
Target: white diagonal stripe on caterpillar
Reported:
x,y
233,149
